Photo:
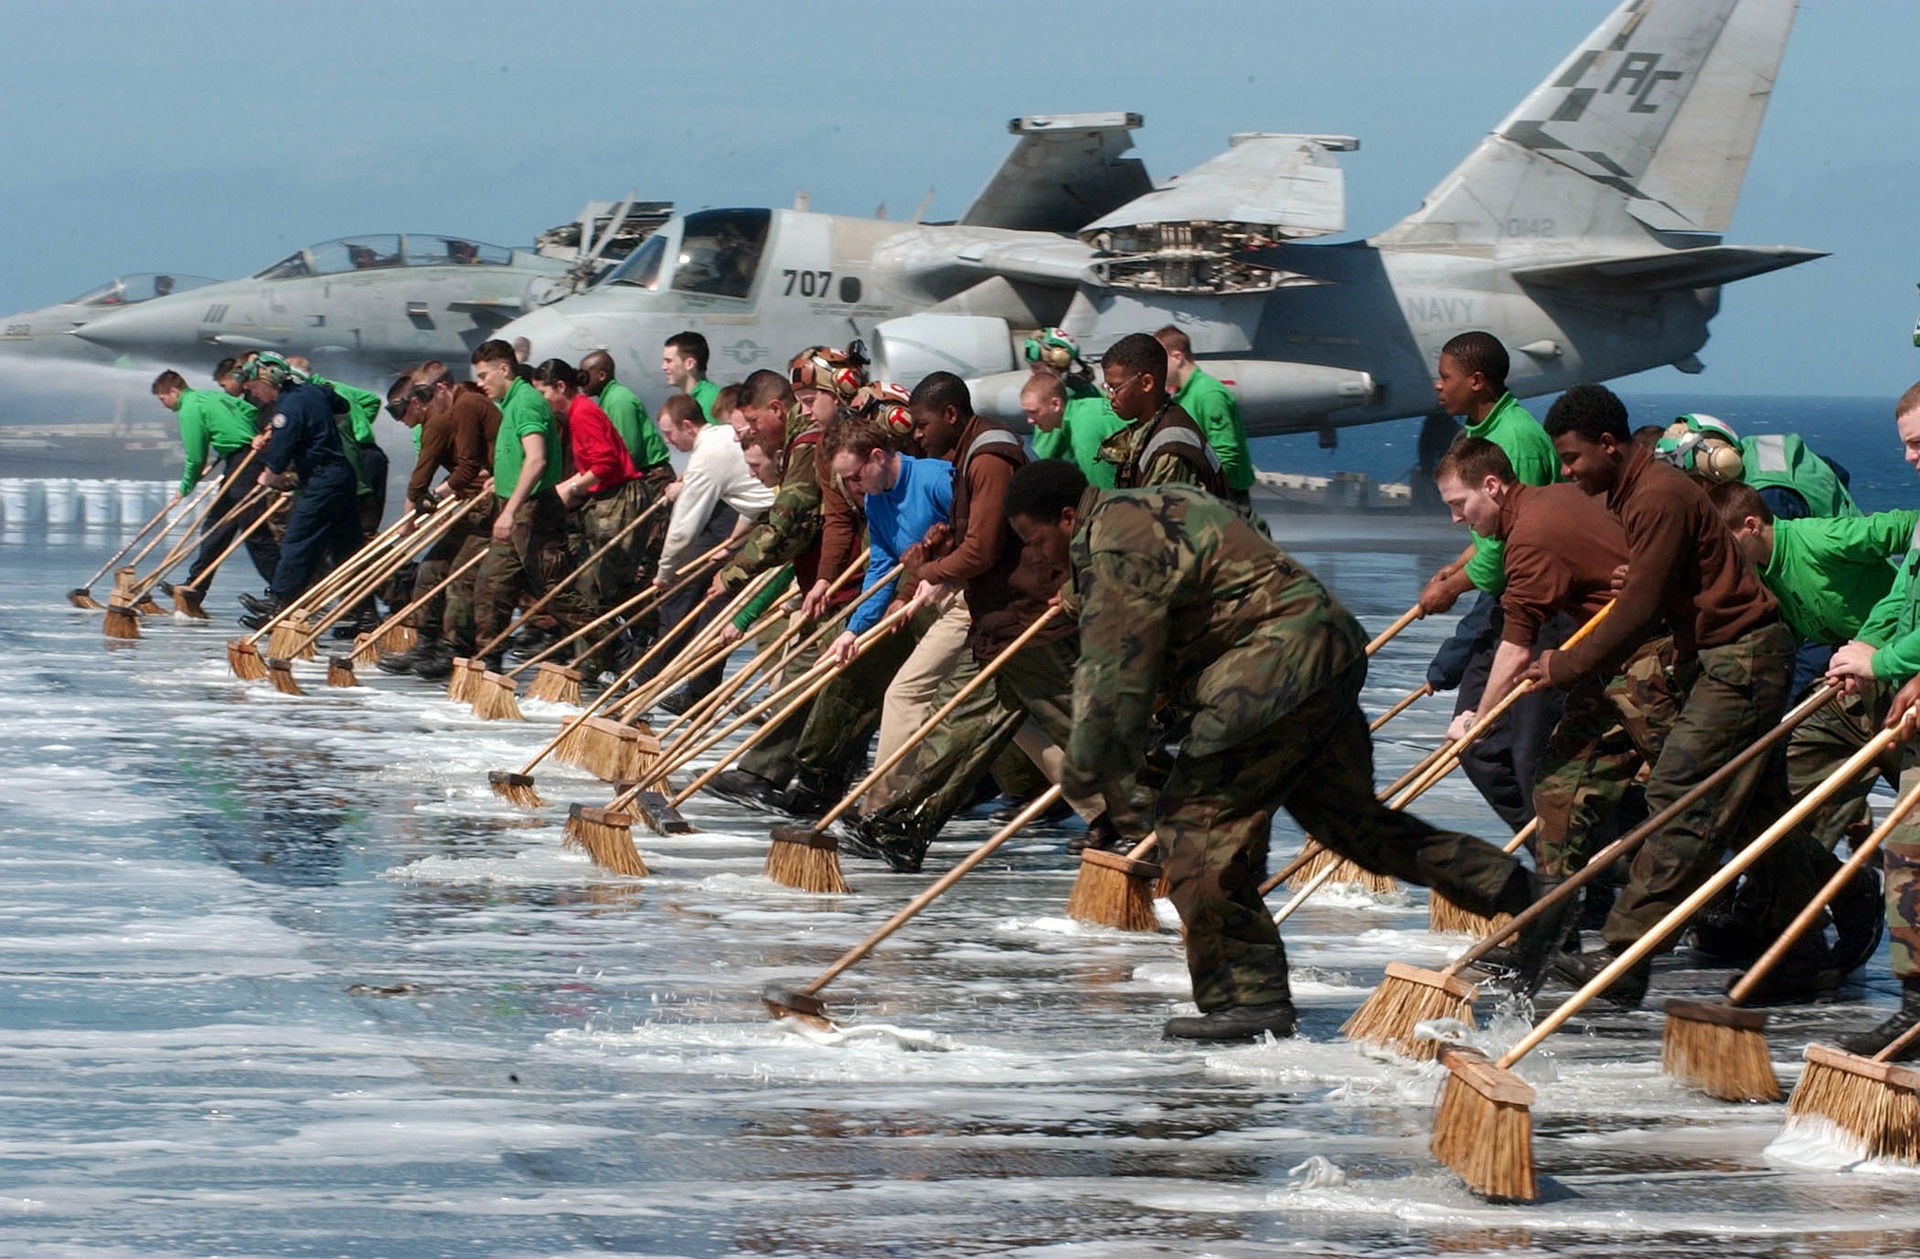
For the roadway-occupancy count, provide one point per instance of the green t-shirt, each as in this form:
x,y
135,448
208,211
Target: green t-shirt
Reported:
x,y
1212,406
630,420
524,413
1831,573
363,408
1535,462
210,421
1087,422
704,392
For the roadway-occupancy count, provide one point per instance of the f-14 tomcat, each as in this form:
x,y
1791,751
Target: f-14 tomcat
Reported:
x,y
1585,231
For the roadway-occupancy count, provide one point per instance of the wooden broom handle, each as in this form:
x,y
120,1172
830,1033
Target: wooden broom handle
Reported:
x,y
272,510
698,651
1635,837
189,535
1386,635
712,704
808,684
190,515
928,726
1040,804
598,553
375,575
1862,852
370,552
465,567
1405,702
1720,880
1900,1042
632,605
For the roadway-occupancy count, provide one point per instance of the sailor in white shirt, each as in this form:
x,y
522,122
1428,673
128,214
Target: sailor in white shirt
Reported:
x,y
716,473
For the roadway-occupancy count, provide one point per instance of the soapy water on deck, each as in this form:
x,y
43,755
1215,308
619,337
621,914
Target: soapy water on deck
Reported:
x,y
279,967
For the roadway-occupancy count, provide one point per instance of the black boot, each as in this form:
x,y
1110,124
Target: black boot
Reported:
x,y
813,792
1859,920
1873,1040
404,661
1234,1022
1581,969
878,841
745,787
1806,973
435,662
258,605
1522,963
1101,833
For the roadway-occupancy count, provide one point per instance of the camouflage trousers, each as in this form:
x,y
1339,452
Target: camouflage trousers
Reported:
x,y
525,567
651,536
938,777
1733,694
1901,855
832,745
772,755
1216,815
454,546
1608,728
1821,743
615,576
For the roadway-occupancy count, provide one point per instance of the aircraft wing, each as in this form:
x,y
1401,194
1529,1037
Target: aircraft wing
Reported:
x,y
1291,184
1065,170
1664,269
491,312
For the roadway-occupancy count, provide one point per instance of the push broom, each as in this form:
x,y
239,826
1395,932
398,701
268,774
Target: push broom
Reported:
x,y
804,1003
807,857
123,620
492,693
1409,995
187,595
1720,1048
81,596
1446,918
285,633
372,578
131,592
1874,1102
371,645
1483,1122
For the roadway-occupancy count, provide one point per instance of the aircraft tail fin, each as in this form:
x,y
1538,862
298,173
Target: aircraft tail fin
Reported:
x,y
1644,130
1065,170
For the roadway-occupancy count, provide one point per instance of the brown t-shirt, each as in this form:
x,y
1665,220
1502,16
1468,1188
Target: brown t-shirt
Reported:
x,y
1683,569
1562,546
476,423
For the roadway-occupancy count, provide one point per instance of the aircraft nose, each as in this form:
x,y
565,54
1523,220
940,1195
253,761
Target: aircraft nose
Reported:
x,y
138,328
552,335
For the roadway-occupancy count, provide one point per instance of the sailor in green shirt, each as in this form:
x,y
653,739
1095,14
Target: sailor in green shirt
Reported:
x,y
215,426
1070,426
683,361
527,553
624,409
1212,406
1794,481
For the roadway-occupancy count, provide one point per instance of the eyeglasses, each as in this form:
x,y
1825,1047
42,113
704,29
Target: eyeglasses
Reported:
x,y
1112,390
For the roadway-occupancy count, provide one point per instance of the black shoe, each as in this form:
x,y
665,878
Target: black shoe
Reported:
x,y
1521,964
812,793
434,663
260,607
746,787
678,702
403,661
1797,979
1235,1022
165,588
1859,920
1058,811
875,841
1101,834
1874,1039
528,642
255,620
348,630
1581,969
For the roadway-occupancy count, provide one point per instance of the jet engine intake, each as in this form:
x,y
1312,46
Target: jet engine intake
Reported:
x,y
909,349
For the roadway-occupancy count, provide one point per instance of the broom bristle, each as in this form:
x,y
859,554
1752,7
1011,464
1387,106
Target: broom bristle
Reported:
x,y
121,621
555,684
459,680
280,673
1483,1127
186,602
605,749
1874,1103
493,699
365,649
606,838
340,671
399,638
147,607
515,788
81,597
284,640
244,660
1407,997
123,580
1344,872
1446,918
805,859
1720,1050
1114,891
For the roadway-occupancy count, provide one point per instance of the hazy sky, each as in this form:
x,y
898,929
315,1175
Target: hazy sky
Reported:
x,y
213,138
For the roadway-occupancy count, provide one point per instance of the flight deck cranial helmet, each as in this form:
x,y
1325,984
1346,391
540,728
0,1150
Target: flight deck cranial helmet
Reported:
x,y
886,402
1053,347
273,369
840,372
1703,445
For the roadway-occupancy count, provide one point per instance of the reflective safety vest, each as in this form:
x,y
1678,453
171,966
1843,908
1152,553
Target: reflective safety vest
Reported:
x,y
1782,459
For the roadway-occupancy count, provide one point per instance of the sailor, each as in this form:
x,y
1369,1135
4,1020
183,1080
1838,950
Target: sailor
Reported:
x,y
212,424
527,549
1503,763
302,437
1733,661
648,452
1213,408
1177,597
1068,412
683,361
1160,444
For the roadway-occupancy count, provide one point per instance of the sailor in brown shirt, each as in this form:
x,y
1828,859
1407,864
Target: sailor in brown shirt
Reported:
x,y
1733,665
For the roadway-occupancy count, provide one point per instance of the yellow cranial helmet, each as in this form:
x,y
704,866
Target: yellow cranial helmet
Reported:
x,y
1703,445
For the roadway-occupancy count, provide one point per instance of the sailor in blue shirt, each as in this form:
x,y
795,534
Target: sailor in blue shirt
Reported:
x,y
905,497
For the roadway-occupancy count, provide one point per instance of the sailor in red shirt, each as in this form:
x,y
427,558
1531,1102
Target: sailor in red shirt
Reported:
x,y
604,486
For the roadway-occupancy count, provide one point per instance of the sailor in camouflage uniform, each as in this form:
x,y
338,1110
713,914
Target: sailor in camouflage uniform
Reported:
x,y
1261,669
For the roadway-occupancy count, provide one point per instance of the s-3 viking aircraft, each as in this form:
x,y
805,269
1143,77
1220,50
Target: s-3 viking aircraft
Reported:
x,y
1585,232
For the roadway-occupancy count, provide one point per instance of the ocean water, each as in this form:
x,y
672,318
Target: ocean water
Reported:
x,y
280,976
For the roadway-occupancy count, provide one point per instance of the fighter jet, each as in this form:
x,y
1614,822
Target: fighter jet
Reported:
x,y
380,303
1585,231
47,332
